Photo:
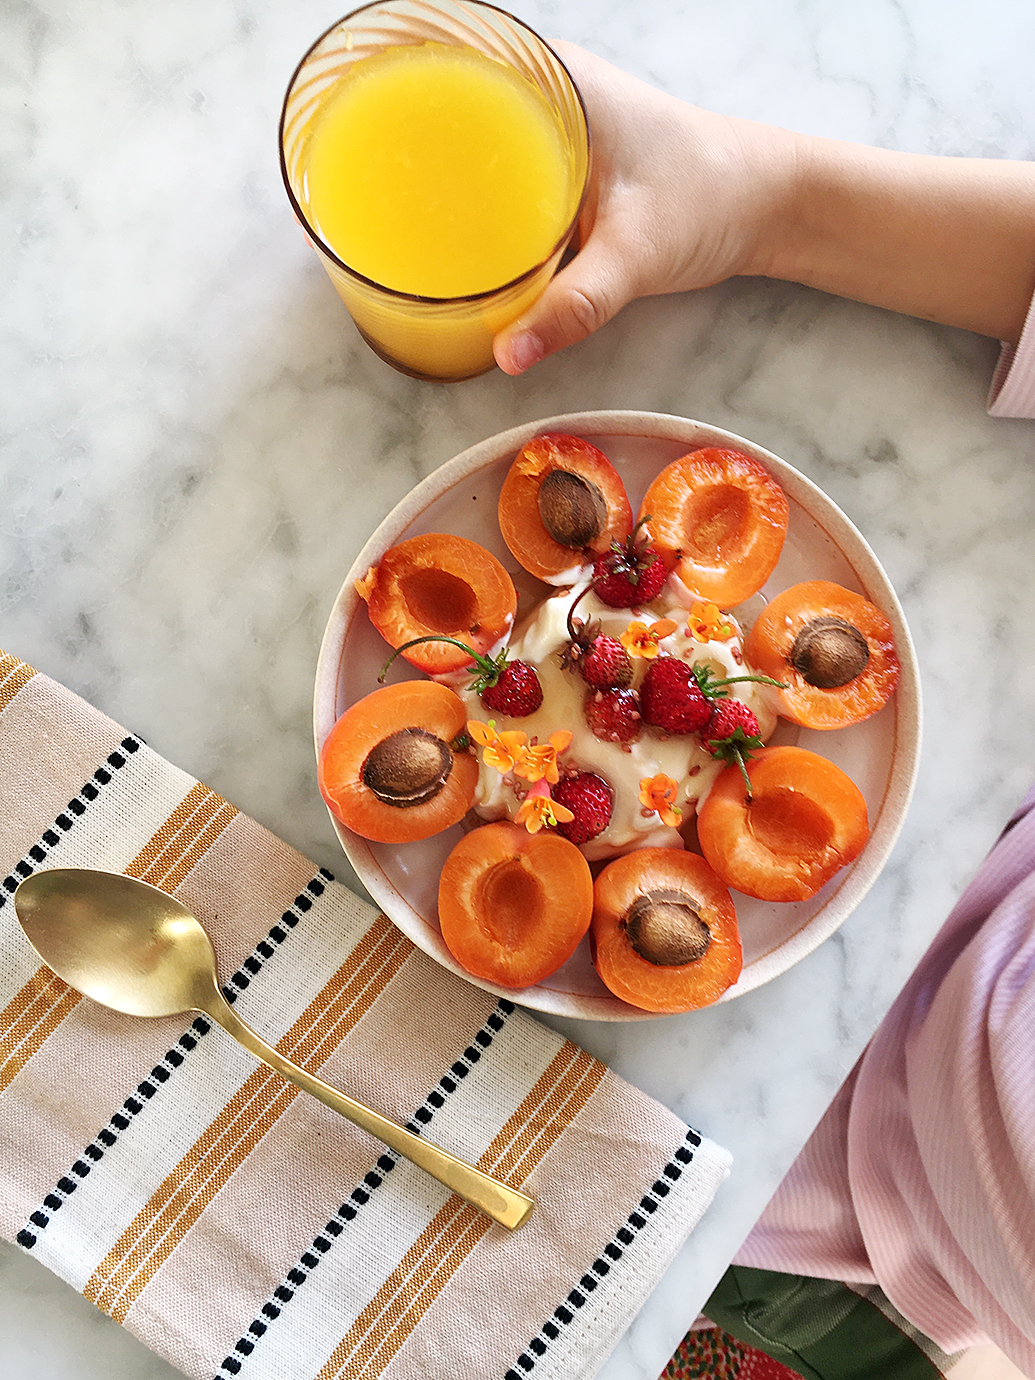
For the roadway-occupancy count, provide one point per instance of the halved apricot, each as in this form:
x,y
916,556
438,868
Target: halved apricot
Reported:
x,y
514,905
388,770
439,584
834,650
561,499
805,821
718,519
665,934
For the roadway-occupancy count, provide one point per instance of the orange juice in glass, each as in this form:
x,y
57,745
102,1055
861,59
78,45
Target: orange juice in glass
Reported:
x,y
437,156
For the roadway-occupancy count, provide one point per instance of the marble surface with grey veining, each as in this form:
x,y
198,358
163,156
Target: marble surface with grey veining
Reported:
x,y
195,443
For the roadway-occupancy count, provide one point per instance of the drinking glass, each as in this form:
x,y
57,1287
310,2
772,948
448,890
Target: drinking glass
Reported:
x,y
439,338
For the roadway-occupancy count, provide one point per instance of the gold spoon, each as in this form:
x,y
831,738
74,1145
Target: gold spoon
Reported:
x,y
134,948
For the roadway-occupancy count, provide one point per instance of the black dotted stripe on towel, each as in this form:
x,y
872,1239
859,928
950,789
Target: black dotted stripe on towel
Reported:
x,y
565,1313
167,1066
69,817
361,1194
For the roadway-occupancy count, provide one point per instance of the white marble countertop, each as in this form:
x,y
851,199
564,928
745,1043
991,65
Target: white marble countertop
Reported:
x,y
196,444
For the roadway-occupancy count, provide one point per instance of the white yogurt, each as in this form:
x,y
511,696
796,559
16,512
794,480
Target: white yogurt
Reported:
x,y
540,640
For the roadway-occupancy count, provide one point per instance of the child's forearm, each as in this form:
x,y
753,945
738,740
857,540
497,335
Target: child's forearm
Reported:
x,y
947,239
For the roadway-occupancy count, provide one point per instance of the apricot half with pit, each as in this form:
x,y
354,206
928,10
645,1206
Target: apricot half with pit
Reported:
x,y
390,769
804,821
665,934
833,649
439,585
562,498
513,906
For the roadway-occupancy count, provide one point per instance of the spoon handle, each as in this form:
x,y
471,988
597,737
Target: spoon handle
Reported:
x,y
498,1200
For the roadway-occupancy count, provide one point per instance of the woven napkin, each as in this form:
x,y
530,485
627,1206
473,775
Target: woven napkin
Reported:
x,y
234,1224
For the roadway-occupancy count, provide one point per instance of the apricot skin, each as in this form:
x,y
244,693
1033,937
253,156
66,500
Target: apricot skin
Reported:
x,y
513,906
409,704
624,972
806,820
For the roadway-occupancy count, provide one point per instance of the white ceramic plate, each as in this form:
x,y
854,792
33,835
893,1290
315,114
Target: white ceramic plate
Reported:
x,y
880,755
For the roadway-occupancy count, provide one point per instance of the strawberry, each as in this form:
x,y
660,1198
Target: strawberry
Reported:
x,y
602,661
508,687
671,698
631,573
729,717
731,733
517,691
680,698
606,663
613,715
590,800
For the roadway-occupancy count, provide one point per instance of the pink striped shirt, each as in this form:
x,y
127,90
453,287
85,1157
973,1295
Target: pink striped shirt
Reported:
x,y
921,1175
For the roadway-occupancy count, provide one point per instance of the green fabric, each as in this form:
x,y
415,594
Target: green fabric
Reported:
x,y
818,1327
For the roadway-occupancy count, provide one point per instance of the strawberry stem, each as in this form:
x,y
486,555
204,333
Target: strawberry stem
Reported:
x,y
490,670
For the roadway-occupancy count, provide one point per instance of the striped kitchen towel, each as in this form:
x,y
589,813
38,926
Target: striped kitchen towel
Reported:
x,y
237,1226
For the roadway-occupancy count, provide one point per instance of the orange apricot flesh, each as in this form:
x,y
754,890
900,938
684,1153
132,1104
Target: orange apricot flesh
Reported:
x,y
781,644
805,820
584,501
367,765
718,519
640,965
513,906
439,585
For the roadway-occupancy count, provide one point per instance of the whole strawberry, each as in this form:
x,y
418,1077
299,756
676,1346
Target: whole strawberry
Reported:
x,y
731,733
508,687
728,717
671,698
631,573
606,664
517,692
613,715
602,661
590,800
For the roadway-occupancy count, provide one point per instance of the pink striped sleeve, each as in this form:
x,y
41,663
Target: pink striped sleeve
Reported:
x,y
1013,385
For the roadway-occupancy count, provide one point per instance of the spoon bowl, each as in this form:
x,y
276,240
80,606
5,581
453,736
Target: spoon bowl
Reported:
x,y
137,950
120,941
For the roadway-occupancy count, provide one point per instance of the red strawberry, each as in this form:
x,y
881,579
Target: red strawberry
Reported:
x,y
727,717
671,698
508,687
731,733
614,715
606,663
590,800
631,573
517,692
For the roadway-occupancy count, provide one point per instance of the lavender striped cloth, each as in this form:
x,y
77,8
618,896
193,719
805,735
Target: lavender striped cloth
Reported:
x,y
921,1176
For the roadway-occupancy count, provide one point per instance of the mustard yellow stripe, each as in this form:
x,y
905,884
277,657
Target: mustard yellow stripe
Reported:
x,y
381,1329
226,1143
161,838
65,1001
13,675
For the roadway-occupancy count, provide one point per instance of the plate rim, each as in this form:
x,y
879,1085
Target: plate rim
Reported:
x,y
858,878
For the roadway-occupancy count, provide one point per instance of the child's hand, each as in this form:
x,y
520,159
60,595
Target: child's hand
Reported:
x,y
680,198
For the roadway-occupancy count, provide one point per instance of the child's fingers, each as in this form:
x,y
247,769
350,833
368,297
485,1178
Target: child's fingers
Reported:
x,y
578,301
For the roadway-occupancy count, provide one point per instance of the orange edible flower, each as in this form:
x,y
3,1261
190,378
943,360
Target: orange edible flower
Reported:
x,y
539,810
641,641
539,762
659,793
500,750
708,624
